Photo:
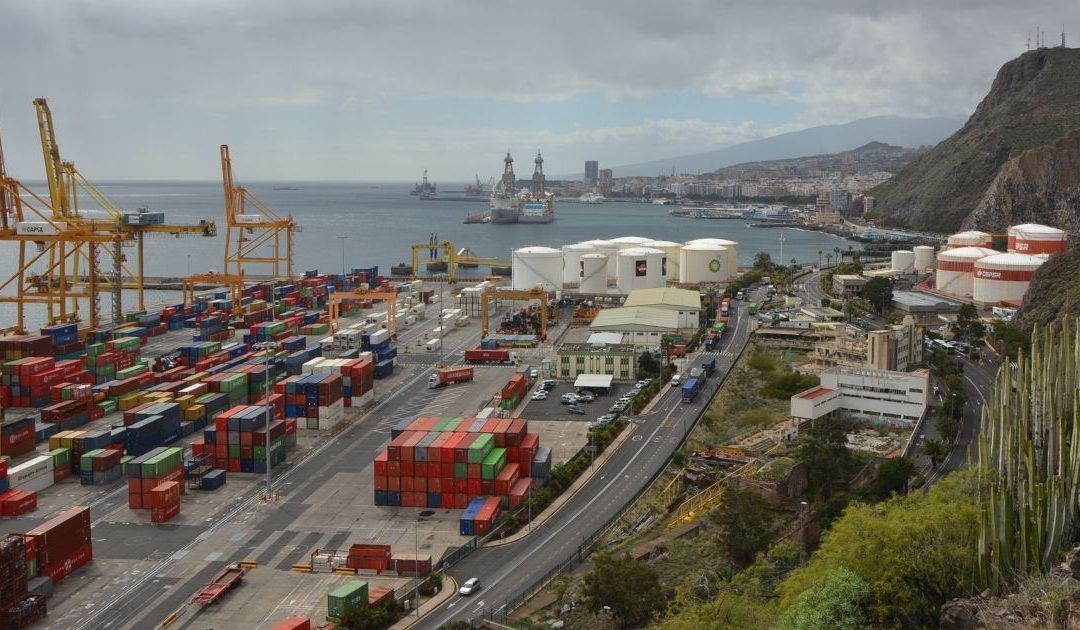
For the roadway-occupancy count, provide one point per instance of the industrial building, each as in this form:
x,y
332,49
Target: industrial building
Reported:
x,y
848,285
881,397
898,347
616,360
687,304
927,309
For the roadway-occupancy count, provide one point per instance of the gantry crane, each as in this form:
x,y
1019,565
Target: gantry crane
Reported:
x,y
235,284
254,232
538,294
389,296
453,259
65,181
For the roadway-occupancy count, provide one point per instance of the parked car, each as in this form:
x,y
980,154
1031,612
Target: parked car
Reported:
x,y
586,396
533,373
569,399
470,586
575,410
540,395
547,384
644,382
602,421
618,407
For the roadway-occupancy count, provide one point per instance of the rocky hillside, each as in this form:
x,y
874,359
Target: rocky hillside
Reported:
x,y
1033,101
1041,185
1054,292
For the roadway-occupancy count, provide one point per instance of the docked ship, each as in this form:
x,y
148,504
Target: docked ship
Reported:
x,y
530,205
424,188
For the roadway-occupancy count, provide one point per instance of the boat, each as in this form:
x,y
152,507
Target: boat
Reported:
x,y
531,205
591,198
424,189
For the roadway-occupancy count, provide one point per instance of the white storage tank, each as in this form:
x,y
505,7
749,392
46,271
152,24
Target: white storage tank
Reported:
x,y
903,260
732,251
572,254
1032,238
971,238
703,262
671,252
956,269
536,265
626,242
1004,277
924,257
593,273
609,249
639,268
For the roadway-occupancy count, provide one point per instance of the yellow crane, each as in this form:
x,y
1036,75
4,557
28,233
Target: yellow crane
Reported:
x,y
538,294
254,231
453,259
388,296
125,228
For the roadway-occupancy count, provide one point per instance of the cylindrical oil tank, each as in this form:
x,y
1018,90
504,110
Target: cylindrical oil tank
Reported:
x,y
1032,238
903,260
571,260
1004,277
639,268
703,262
626,242
732,252
971,238
671,252
924,257
956,269
592,273
536,265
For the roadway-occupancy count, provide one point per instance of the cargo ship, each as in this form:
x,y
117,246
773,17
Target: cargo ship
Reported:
x,y
530,205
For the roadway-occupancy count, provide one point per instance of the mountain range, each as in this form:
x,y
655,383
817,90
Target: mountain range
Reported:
x,y
825,139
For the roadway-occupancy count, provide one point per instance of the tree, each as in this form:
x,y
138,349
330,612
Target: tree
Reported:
x,y
823,449
742,526
828,259
892,476
630,587
819,259
878,292
838,603
648,365
936,450
763,262
839,254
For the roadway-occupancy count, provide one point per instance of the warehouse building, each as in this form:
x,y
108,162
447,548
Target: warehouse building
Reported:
x,y
881,397
686,303
642,326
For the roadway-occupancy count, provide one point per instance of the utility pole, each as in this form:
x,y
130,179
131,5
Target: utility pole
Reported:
x,y
268,345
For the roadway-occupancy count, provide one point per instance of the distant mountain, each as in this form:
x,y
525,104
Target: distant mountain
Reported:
x,y
869,158
907,132
1032,102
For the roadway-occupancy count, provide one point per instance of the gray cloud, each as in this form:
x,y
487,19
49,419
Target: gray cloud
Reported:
x,y
185,75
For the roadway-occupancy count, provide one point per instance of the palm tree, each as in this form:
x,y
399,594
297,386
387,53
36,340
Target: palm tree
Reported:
x,y
936,450
819,259
839,255
828,259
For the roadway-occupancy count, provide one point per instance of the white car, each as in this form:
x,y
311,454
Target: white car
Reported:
x,y
541,395
469,587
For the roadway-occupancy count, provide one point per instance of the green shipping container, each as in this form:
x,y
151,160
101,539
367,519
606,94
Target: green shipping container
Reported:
x,y
461,471
108,405
60,457
124,464
480,447
493,463
86,462
347,599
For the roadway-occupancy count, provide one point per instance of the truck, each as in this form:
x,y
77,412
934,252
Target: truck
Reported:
x,y
725,306
691,388
447,375
709,367
752,308
481,355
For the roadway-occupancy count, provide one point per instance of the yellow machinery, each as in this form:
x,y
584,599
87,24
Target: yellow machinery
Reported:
x,y
540,295
123,229
453,259
388,296
235,284
254,232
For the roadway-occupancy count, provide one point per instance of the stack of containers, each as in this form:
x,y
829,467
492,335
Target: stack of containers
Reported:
x,y
232,384
17,436
317,398
60,457
514,390
346,601
65,339
192,354
147,472
27,381
480,516
68,414
151,426
165,501
378,343
237,441
446,462
100,467
63,543
294,362
357,377
22,346
18,608
113,359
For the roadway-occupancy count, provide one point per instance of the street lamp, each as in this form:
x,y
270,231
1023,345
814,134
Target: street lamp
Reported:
x,y
342,239
267,345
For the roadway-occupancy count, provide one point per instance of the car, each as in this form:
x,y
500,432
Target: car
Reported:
x,y
603,420
618,407
540,396
533,373
625,399
586,396
634,391
643,383
470,586
569,399
575,410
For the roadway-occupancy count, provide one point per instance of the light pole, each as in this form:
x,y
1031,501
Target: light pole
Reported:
x,y
267,345
342,239
189,264
416,572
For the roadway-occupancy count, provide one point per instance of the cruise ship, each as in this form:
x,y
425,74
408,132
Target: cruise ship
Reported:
x,y
530,205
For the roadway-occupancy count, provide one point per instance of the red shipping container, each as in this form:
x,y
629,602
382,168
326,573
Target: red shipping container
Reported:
x,y
3,468
62,535
435,449
393,484
516,432
380,464
380,482
506,478
293,623
408,449
461,451
487,487
474,485
164,514
60,474
475,471
406,468
461,486
165,495
434,484
68,564
17,502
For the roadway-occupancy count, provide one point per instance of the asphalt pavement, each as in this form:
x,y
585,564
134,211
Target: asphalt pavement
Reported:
x,y
508,571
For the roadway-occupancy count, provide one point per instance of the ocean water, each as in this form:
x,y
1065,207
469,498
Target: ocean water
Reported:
x,y
381,220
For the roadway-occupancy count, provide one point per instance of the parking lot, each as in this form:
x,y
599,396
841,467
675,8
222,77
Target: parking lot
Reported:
x,y
553,409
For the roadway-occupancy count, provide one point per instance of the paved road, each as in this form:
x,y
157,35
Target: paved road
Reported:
x,y
978,376
507,571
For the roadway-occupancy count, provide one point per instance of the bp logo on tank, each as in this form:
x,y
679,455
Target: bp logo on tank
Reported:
x,y
714,265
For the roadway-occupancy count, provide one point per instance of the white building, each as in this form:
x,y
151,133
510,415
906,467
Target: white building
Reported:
x,y
876,396
687,304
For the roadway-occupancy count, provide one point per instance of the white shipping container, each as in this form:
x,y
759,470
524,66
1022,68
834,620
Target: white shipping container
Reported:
x,y
309,367
376,318
379,336
34,475
410,320
433,345
462,320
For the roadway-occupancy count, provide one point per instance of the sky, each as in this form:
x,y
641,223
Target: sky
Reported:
x,y
379,90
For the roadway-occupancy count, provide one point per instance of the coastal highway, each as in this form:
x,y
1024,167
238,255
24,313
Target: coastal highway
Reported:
x,y
507,571
978,376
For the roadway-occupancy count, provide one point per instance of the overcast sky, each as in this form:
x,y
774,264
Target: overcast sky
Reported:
x,y
362,90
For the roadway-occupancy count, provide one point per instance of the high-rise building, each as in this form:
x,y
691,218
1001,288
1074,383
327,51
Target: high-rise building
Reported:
x,y
592,172
838,198
605,181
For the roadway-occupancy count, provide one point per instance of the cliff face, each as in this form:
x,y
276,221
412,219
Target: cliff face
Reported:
x,y
1054,292
1033,101
1041,185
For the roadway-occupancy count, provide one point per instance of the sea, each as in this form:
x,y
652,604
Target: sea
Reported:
x,y
381,220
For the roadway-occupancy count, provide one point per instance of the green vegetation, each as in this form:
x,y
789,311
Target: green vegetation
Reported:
x,y
878,293
1010,338
839,603
822,448
376,617
781,382
631,588
743,526
743,282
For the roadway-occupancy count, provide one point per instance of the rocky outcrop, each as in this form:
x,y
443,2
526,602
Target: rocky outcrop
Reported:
x,y
1054,292
1041,185
1032,102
